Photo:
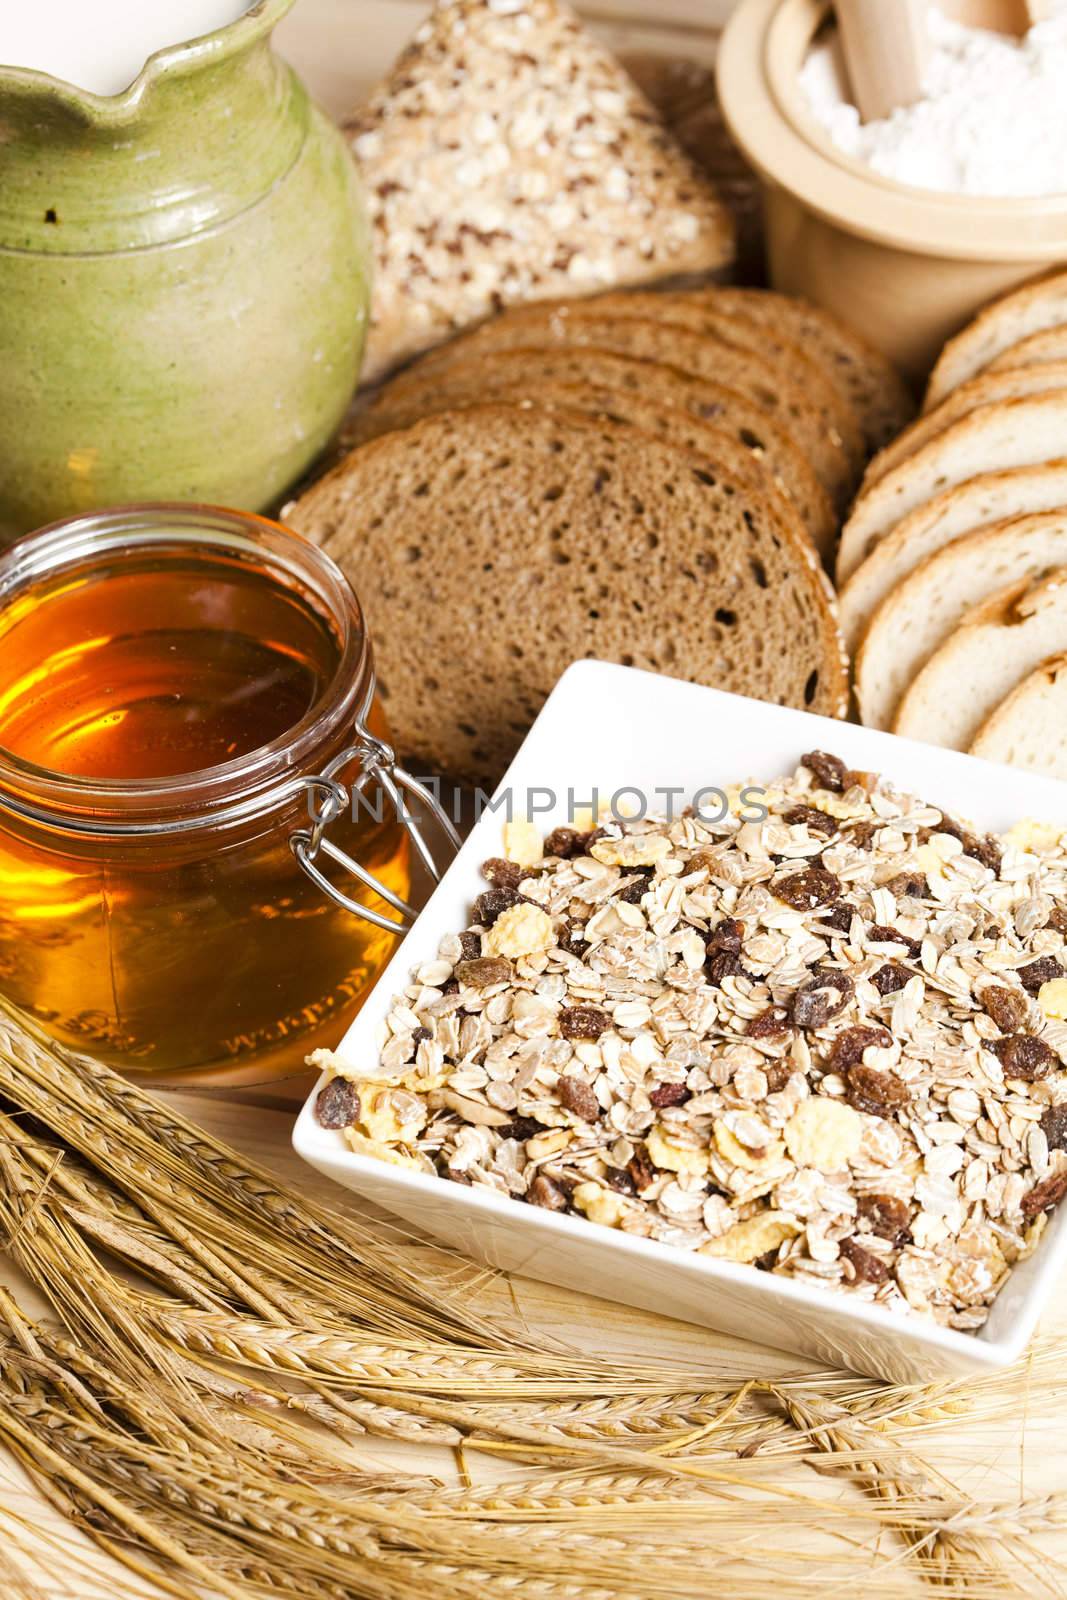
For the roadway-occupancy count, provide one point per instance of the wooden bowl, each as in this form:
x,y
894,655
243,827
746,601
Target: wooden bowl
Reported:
x,y
905,267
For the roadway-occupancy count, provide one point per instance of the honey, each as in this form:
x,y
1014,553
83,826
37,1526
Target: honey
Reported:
x,y
165,684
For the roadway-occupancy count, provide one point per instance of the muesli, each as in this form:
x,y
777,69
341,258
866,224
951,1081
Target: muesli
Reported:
x,y
829,1042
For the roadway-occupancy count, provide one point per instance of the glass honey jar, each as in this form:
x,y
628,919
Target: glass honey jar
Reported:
x,y
189,737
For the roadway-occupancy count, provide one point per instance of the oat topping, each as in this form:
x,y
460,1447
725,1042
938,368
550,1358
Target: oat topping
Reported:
x,y
837,1054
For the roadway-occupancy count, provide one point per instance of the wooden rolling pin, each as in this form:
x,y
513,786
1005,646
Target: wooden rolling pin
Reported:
x,y
886,43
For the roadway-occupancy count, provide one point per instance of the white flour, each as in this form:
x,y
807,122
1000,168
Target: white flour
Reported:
x,y
993,119
101,45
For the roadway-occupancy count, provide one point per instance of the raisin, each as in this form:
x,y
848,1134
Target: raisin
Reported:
x,y
909,885
564,843
616,1178
1054,1126
337,1105
583,1022
726,935
634,891
470,945
503,874
812,818
1007,1007
769,1024
669,1094
722,964
878,933
1043,1196
825,995
489,905
1023,1057
777,1074
419,1035
984,849
586,841
1043,970
546,1194
484,972
806,890
1057,918
521,1128
868,1267
891,977
847,1049
723,945
862,835
877,1093
576,1095
838,918
451,986
571,939
767,1261
641,1169
828,771
887,1216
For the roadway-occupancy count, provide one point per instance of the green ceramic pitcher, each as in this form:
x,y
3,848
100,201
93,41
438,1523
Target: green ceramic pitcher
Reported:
x,y
183,281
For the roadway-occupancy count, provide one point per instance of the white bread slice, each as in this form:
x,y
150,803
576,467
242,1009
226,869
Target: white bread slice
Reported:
x,y
990,497
1011,433
1048,345
507,156
920,613
1029,727
983,390
1041,303
999,642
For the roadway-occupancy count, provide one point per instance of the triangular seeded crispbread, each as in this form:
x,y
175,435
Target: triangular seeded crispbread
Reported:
x,y
507,157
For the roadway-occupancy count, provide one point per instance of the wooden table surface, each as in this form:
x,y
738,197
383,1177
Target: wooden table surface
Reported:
x,y
341,47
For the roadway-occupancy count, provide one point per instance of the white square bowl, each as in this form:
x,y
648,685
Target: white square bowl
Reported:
x,y
607,727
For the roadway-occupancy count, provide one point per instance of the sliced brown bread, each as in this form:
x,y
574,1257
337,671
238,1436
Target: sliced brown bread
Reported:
x,y
999,642
704,312
492,546
710,446
508,157
1039,304
1029,727
1009,433
653,339
920,613
984,390
990,497
1049,345
879,397
686,410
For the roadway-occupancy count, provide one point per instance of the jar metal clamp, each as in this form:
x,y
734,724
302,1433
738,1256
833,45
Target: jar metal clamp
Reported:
x,y
328,799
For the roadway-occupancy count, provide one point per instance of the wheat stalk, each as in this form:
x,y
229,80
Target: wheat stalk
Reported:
x,y
278,1317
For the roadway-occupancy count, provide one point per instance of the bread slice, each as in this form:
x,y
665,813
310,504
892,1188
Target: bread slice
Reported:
x,y
920,613
1049,345
998,643
1029,727
493,546
879,398
688,410
990,497
984,390
653,339
508,157
702,311
1009,433
1039,304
